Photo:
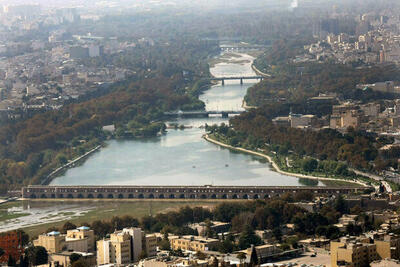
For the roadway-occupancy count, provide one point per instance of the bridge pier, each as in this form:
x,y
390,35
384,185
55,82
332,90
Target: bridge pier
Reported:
x,y
225,114
223,82
241,81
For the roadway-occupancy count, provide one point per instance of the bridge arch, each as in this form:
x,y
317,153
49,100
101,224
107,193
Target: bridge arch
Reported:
x,y
182,196
70,196
213,196
141,196
161,196
151,196
80,196
43,196
245,196
110,196
120,196
33,196
90,196
53,195
234,196
224,196
60,195
192,196
100,196
256,196
203,196
172,196
130,196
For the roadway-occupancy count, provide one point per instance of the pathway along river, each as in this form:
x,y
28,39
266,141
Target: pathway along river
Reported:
x,y
182,157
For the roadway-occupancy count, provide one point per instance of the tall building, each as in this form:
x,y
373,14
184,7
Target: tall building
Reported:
x,y
136,242
117,249
150,245
78,52
123,247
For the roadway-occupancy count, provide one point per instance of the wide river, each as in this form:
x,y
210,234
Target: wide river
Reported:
x,y
182,157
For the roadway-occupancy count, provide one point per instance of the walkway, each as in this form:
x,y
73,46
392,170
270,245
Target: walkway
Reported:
x,y
276,167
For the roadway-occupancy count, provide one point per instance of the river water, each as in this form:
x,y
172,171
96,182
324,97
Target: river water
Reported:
x,y
182,157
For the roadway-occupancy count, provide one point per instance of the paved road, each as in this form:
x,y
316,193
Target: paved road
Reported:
x,y
375,177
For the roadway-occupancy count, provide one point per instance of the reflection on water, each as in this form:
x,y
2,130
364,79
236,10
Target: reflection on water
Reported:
x,y
181,157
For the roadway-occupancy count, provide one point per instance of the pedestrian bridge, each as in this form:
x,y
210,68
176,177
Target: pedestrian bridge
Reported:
x,y
175,192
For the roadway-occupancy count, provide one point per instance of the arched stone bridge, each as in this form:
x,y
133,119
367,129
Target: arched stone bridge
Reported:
x,y
175,192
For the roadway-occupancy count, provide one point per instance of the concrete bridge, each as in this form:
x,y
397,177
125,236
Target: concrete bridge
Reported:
x,y
175,192
201,113
228,48
241,78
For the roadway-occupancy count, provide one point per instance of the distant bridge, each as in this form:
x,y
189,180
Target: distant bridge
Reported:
x,y
176,192
228,48
201,113
241,78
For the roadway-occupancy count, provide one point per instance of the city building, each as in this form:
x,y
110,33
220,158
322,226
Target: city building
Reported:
x,y
79,240
388,247
82,232
11,243
352,253
63,258
194,243
150,245
116,250
264,252
135,235
53,242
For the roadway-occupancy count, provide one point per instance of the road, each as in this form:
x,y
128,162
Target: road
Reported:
x,y
375,177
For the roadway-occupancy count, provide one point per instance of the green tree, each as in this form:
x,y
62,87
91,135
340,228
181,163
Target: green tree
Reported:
x,y
248,238
68,226
37,255
309,164
341,205
62,159
74,257
164,243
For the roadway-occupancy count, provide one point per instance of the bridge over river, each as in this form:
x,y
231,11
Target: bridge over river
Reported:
x,y
241,78
175,192
201,113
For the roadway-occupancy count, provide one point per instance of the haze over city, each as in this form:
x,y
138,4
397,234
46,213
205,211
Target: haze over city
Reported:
x,y
200,133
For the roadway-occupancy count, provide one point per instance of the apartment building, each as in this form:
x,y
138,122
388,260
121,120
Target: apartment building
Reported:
x,y
117,249
150,245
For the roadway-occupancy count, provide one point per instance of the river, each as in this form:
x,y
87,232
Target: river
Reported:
x,y
182,157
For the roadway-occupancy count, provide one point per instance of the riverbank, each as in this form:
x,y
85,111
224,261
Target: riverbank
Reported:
x,y
275,166
68,165
259,72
